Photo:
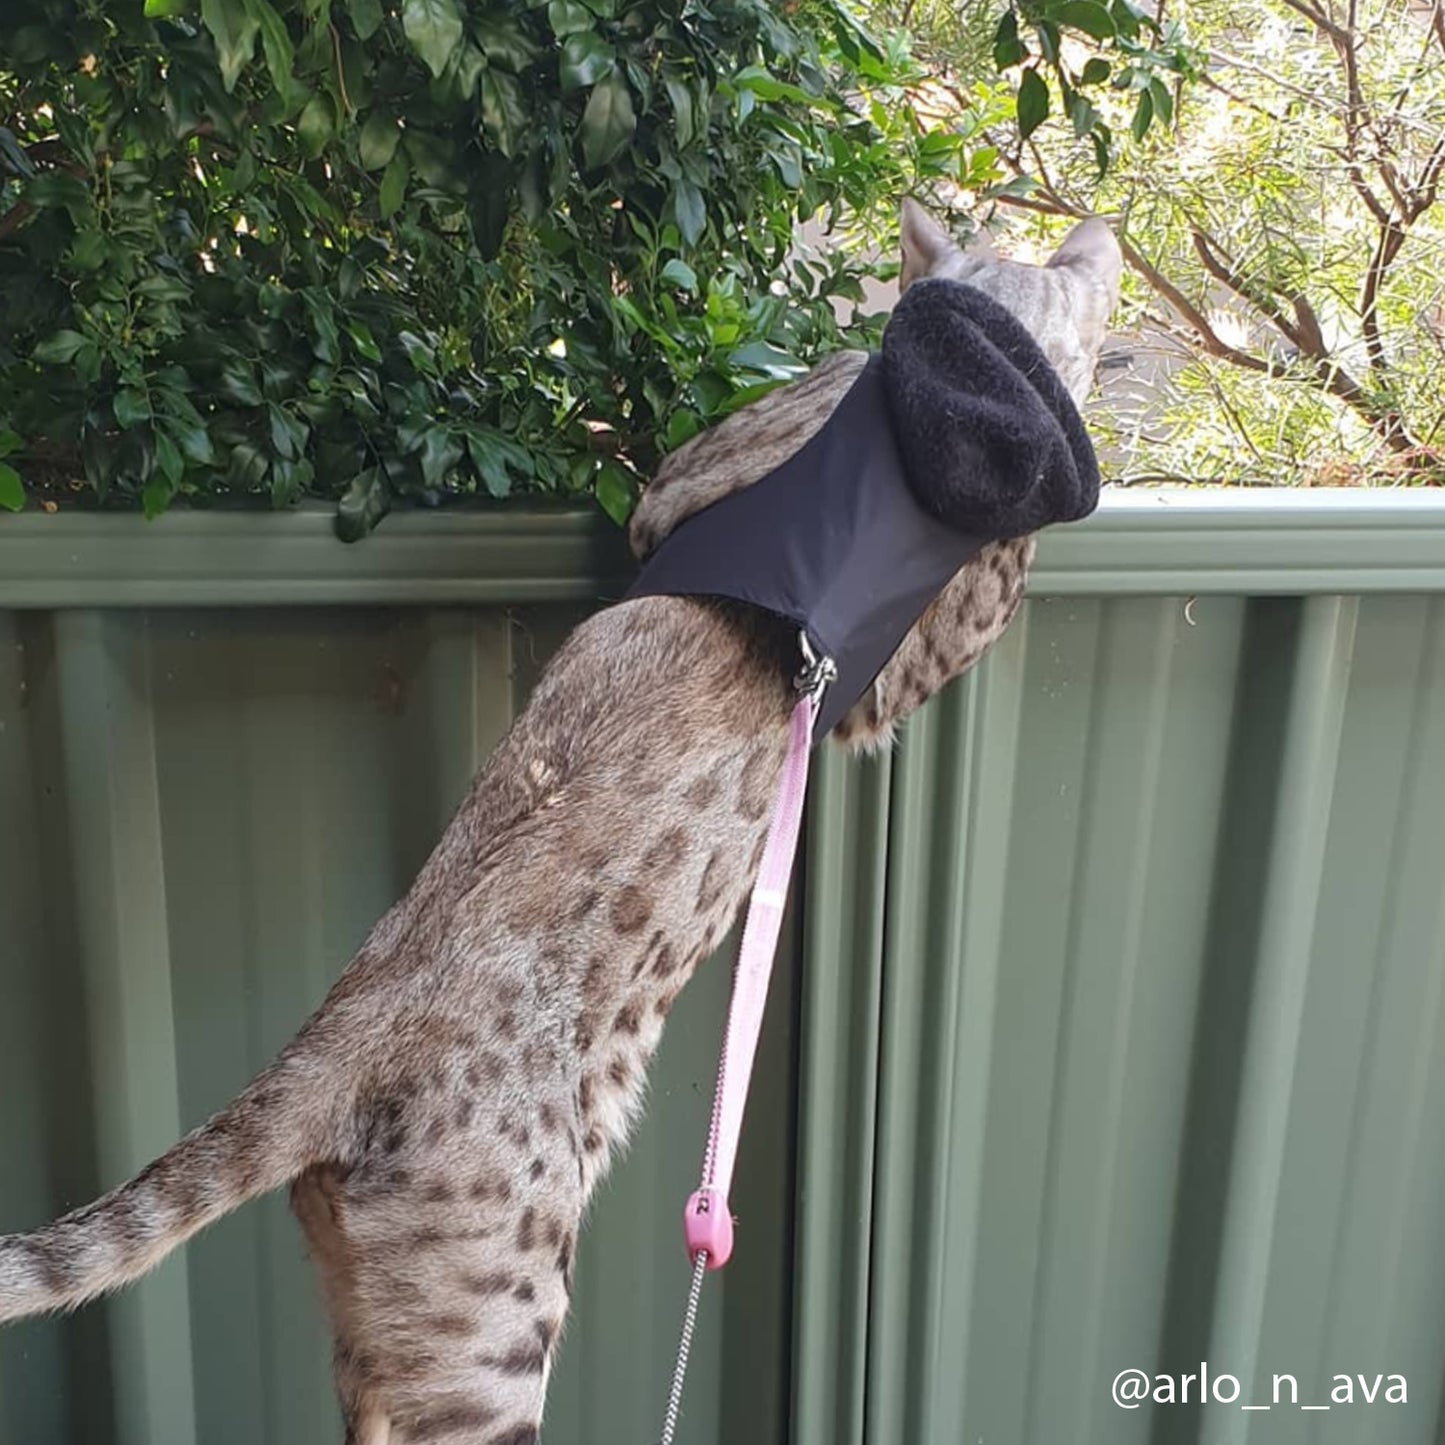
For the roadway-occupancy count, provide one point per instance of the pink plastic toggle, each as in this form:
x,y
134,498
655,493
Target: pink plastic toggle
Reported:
x,y
707,1224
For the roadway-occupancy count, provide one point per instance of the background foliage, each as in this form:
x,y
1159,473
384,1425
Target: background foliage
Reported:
x,y
411,249
1282,221
379,248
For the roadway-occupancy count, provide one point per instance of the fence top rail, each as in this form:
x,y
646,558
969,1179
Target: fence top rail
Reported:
x,y
1185,542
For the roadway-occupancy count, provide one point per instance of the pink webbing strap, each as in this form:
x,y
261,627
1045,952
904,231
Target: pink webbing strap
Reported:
x,y
707,1219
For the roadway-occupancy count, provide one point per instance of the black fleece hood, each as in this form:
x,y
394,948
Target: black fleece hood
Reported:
x,y
959,433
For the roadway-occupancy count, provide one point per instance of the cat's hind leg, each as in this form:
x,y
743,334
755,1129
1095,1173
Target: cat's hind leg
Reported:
x,y
315,1199
462,1282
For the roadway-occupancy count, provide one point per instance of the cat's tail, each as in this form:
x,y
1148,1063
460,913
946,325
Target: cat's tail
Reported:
x,y
281,1124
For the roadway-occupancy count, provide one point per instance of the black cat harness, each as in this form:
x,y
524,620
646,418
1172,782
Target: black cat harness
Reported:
x,y
959,433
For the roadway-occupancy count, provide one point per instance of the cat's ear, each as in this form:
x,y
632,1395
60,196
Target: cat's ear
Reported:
x,y
923,243
1091,250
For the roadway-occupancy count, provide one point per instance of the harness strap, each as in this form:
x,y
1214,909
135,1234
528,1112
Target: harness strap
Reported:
x,y
707,1219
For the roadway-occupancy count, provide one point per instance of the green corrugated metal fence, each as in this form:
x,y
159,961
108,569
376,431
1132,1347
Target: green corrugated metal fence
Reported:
x,y
1114,1038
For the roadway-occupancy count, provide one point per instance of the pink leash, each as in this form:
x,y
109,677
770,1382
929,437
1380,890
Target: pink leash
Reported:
x,y
707,1219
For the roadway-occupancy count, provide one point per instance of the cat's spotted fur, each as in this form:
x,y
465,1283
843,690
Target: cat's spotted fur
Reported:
x,y
445,1115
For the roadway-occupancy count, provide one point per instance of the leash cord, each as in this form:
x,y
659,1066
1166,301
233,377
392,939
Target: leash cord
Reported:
x,y
707,1222
684,1349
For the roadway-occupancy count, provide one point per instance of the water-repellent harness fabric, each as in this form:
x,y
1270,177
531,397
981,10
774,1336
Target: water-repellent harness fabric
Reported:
x,y
959,433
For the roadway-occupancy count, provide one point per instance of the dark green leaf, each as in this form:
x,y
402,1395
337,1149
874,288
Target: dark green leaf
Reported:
x,y
490,203
393,185
14,154
1125,19
326,337
1143,115
289,480
433,158
29,44
234,29
608,123
163,288
288,433
1087,15
10,443
433,29
490,463
1096,70
1163,100
745,396
169,463
363,340
765,86
771,360
317,124
682,426
440,452
380,136
585,58
1008,49
131,407
504,118
276,45
690,210
59,348
1018,186
88,362
1101,154
97,457
366,17
1033,102
418,352
464,74
194,441
685,119
504,42
680,274
88,252
238,382
366,502
56,190
567,17
246,467
12,493
155,496
615,491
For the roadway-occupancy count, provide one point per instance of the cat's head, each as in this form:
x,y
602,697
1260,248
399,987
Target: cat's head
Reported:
x,y
1064,304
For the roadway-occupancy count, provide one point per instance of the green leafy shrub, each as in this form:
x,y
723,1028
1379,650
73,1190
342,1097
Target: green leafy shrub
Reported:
x,y
378,249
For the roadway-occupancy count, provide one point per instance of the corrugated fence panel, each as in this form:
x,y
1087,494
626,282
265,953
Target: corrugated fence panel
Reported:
x,y
1162,1033
1114,1036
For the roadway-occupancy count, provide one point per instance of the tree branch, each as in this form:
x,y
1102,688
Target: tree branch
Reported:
x,y
1427,190
1213,261
1209,338
1387,247
12,220
1384,420
1315,16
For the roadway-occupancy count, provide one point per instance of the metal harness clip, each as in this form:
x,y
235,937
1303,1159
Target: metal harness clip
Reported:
x,y
817,671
